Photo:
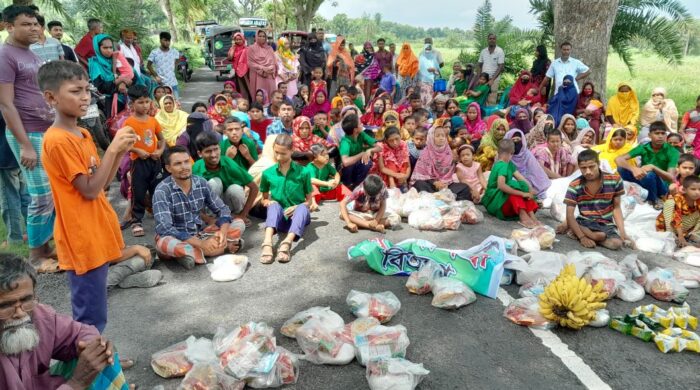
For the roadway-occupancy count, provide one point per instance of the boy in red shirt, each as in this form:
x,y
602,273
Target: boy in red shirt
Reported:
x,y
146,170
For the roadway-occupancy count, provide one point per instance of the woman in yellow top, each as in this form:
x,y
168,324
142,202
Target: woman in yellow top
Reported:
x,y
623,107
172,120
615,145
488,148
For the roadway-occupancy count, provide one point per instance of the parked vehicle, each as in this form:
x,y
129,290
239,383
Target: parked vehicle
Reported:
x,y
216,48
95,121
183,66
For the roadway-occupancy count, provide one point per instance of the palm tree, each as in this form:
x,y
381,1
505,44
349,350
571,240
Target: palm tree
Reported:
x,y
659,23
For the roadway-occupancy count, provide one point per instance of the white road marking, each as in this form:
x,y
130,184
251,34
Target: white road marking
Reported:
x,y
574,363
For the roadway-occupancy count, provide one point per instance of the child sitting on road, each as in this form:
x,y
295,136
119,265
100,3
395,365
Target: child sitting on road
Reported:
x,y
508,194
392,164
324,178
286,192
417,144
235,146
366,207
686,167
321,127
408,128
681,213
469,172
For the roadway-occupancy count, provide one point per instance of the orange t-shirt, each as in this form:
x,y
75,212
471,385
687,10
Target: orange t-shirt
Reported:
x,y
148,130
86,232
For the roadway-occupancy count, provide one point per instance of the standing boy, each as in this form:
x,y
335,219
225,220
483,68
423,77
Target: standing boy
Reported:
x,y
165,59
28,116
597,196
146,170
87,230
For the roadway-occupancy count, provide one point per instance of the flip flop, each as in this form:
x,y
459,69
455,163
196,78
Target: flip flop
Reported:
x,y
137,230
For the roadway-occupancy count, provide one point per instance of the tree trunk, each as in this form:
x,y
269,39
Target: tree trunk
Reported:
x,y
589,36
304,12
168,11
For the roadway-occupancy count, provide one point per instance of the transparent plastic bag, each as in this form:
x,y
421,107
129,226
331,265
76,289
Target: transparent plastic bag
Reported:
x,y
227,268
634,269
451,293
381,342
171,362
533,240
532,289
526,312
285,371
452,220
690,278
327,316
426,219
356,328
324,345
247,350
662,285
209,376
470,215
630,291
394,374
602,318
200,350
446,195
611,278
382,306
420,282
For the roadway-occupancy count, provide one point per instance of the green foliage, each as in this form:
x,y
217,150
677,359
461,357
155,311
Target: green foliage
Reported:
x,y
194,53
659,23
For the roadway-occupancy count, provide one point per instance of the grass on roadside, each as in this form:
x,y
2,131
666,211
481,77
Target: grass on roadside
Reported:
x,y
17,249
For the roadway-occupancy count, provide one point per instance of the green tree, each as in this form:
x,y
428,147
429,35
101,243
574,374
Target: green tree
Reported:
x,y
303,11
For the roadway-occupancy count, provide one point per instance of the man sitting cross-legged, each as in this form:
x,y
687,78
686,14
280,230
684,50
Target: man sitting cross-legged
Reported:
x,y
177,204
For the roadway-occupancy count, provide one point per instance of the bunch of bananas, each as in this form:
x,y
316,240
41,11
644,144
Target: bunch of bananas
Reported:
x,y
570,301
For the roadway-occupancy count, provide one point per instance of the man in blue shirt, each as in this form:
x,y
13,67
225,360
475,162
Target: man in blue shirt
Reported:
x,y
564,66
283,123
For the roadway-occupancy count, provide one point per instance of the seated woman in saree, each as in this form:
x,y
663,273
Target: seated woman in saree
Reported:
x,y
521,120
564,101
435,168
220,109
554,158
623,107
615,145
584,140
527,164
590,107
524,92
658,108
172,120
536,136
690,124
372,119
488,148
568,129
476,127
303,139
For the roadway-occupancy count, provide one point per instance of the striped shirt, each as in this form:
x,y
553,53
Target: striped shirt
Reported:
x,y
596,207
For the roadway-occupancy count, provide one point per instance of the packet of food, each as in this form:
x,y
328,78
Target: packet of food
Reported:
x,y
451,293
209,376
381,342
420,282
394,374
526,312
325,314
382,306
171,362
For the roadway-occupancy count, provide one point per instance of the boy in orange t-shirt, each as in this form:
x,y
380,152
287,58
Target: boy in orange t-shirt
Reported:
x,y
87,230
146,170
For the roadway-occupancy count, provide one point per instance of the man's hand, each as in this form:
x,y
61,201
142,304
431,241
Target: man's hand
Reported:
x,y
638,173
143,252
244,151
123,140
231,152
587,242
94,356
366,157
682,243
27,156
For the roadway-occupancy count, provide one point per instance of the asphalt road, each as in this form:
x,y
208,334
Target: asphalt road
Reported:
x,y
474,347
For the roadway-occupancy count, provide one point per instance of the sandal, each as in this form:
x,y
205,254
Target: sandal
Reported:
x,y
267,258
284,252
137,230
126,224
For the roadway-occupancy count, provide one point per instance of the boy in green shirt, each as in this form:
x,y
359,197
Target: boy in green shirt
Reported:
x,y
356,150
224,176
286,192
659,162
236,147
324,178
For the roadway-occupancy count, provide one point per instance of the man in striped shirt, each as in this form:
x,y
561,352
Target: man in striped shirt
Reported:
x,y
597,195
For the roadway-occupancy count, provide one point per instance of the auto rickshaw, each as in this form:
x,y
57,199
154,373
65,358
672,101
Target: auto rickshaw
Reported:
x,y
216,47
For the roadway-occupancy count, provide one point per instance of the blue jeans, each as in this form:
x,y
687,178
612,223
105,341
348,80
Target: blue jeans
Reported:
x,y
14,201
353,175
651,182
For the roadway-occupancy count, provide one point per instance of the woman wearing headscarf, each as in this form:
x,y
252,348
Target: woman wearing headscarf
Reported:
x,y
537,134
407,66
659,108
435,169
340,66
368,67
262,66
220,109
564,101
524,93
311,56
690,124
375,111
584,140
319,102
522,121
527,164
587,107
488,148
301,99
102,76
539,69
568,129
428,69
623,107
238,55
173,121
615,145
197,123
287,66
476,127
303,138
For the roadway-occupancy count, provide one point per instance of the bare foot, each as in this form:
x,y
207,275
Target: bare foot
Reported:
x,y
562,228
379,228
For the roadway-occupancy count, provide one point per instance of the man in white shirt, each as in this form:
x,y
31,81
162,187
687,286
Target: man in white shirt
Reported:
x,y
47,48
165,60
492,60
438,55
563,66
130,49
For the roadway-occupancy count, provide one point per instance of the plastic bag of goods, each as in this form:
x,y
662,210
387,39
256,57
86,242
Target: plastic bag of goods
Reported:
x,y
248,350
227,268
532,240
662,285
382,306
634,269
445,195
381,342
200,350
450,293
526,312
689,255
630,291
394,374
606,273
324,345
602,318
171,362
327,317
627,204
421,282
356,328
451,220
285,371
689,277
409,202
425,219
395,200
470,214
209,376
532,289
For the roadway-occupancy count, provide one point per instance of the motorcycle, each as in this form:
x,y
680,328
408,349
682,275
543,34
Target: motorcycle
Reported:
x,y
95,121
183,67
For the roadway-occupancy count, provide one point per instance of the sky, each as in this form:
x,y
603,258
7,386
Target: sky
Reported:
x,y
444,13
